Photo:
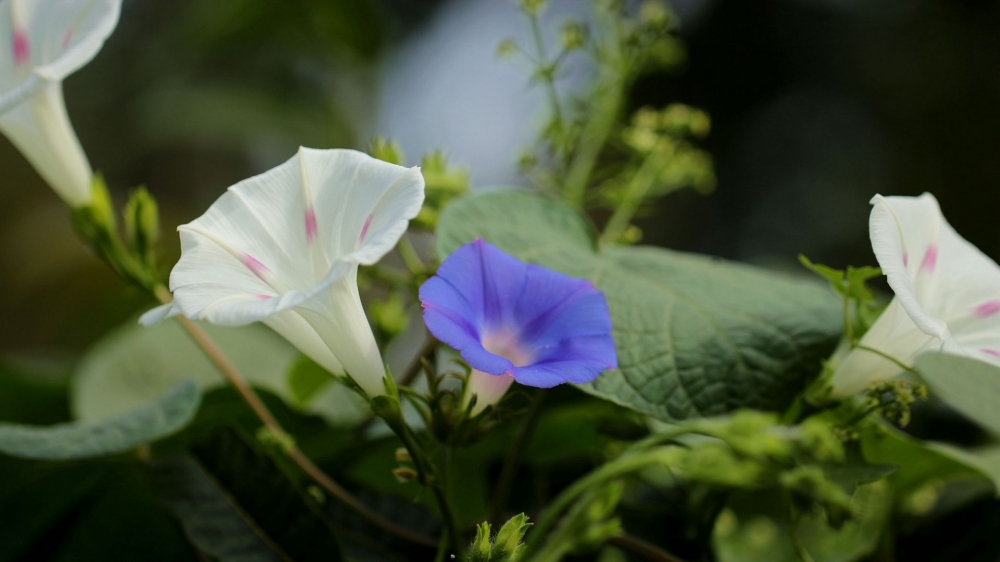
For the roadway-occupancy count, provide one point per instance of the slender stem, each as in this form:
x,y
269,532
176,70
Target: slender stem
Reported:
x,y
410,257
234,378
646,550
548,68
885,355
524,431
635,192
417,365
614,469
592,139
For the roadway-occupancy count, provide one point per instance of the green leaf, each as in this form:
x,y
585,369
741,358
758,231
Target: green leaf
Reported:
x,y
95,510
134,365
32,392
754,529
917,461
110,436
306,379
236,503
969,385
696,336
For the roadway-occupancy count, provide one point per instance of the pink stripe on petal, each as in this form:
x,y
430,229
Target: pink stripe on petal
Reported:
x,y
987,309
992,352
311,227
930,258
264,297
22,50
254,265
906,259
67,38
368,223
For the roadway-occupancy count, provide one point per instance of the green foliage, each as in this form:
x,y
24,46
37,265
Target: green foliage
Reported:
x,y
969,385
861,308
94,438
695,336
142,226
505,547
236,503
96,225
94,510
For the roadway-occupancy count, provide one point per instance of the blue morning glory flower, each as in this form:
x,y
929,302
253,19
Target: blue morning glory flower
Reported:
x,y
516,321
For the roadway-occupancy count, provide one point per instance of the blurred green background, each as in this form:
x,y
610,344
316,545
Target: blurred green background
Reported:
x,y
816,105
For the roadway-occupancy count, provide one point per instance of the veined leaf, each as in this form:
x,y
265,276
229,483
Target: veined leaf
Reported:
x,y
696,336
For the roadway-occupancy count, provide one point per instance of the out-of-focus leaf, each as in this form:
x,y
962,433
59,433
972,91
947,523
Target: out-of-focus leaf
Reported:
x,y
917,461
134,365
94,438
754,529
970,386
695,336
100,510
306,379
32,393
236,503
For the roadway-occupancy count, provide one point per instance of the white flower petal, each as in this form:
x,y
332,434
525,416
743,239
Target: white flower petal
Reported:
x,y
48,41
158,314
39,127
947,293
487,388
283,247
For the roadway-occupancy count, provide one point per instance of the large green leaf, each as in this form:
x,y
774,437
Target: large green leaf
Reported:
x,y
696,336
134,365
94,510
236,503
968,385
94,438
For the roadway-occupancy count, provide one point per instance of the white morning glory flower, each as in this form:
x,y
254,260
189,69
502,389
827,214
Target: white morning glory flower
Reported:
x,y
46,41
947,294
284,248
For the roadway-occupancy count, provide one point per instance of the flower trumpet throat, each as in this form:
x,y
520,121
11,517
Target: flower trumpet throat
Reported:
x,y
284,248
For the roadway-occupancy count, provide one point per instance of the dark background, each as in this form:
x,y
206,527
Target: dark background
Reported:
x,y
816,104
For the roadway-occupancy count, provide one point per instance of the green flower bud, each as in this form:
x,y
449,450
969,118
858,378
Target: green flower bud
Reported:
x,y
573,35
142,225
405,474
533,7
481,545
507,49
388,150
507,546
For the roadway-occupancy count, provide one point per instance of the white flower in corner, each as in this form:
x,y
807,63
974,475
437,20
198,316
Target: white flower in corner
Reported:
x,y
284,248
41,43
947,294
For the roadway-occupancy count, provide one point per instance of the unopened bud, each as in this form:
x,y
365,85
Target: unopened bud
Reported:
x,y
388,150
573,35
142,224
404,474
402,455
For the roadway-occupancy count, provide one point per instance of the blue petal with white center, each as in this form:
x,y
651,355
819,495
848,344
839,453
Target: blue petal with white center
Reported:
x,y
515,320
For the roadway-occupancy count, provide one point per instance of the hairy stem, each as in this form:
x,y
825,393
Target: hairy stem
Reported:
x,y
247,393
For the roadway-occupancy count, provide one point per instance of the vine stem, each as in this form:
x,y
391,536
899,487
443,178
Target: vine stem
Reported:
x,y
510,462
639,547
634,194
233,376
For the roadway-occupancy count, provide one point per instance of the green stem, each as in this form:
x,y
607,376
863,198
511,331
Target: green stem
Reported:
x,y
793,536
592,140
885,355
635,192
548,67
410,256
621,466
510,463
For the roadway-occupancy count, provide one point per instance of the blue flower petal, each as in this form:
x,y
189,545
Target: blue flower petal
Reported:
x,y
561,322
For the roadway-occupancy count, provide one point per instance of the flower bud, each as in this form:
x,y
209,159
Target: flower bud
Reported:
x,y
142,224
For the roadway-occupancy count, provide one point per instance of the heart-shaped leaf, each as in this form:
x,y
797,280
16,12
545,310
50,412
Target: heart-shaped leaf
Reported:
x,y
696,336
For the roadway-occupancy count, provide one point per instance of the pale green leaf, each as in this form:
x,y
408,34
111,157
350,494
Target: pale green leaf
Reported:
x,y
969,385
109,436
